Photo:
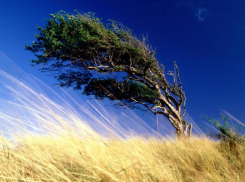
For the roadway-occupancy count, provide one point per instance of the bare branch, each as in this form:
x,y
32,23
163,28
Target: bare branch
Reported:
x,y
177,69
172,74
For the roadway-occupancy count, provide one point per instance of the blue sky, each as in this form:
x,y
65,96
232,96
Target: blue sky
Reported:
x,y
206,38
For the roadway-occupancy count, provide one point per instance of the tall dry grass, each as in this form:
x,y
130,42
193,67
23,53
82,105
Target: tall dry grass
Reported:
x,y
68,157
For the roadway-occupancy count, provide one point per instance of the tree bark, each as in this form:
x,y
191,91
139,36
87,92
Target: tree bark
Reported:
x,y
183,130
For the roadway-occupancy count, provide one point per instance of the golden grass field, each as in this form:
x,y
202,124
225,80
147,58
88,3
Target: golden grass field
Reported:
x,y
70,158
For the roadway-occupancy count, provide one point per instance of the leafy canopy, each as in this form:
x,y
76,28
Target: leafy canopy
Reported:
x,y
76,49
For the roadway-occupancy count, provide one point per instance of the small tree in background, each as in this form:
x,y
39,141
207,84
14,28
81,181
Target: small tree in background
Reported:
x,y
75,48
226,132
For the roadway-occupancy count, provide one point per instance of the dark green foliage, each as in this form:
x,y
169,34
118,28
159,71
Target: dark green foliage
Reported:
x,y
123,91
184,122
70,46
67,39
226,132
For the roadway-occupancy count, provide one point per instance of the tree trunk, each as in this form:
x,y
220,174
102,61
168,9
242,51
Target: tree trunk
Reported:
x,y
183,130
181,134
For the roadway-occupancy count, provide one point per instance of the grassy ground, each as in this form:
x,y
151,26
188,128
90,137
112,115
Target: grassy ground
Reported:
x,y
69,158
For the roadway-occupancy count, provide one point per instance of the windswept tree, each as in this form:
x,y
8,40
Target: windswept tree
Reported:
x,y
79,49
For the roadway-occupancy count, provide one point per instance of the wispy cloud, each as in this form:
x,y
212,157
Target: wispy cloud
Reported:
x,y
197,6
201,14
